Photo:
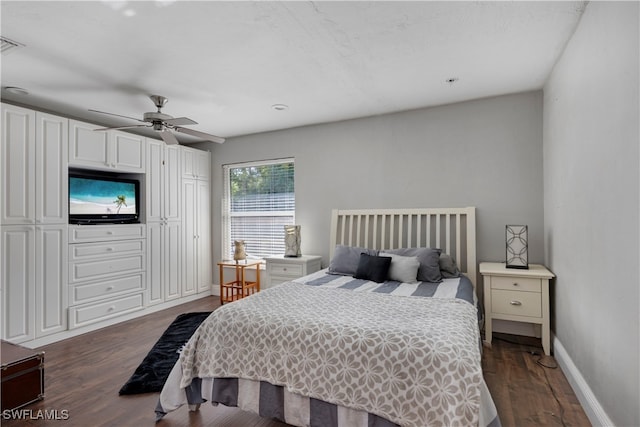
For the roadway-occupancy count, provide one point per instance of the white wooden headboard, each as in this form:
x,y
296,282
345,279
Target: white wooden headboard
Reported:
x,y
451,229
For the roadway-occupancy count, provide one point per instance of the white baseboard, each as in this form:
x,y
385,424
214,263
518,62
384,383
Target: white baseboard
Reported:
x,y
588,400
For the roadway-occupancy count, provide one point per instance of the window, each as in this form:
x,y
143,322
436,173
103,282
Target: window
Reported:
x,y
259,200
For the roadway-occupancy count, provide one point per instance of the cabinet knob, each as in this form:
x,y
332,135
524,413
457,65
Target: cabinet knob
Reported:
x,y
110,288
111,308
109,249
515,303
515,284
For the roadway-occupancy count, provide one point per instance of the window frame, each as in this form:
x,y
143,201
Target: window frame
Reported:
x,y
226,201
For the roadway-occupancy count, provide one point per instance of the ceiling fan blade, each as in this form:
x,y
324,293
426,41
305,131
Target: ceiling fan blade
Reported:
x,y
123,127
205,136
168,137
118,115
180,121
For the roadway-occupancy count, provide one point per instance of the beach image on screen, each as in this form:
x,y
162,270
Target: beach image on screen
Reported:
x,y
89,196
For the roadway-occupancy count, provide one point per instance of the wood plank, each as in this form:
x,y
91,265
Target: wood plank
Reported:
x,y
83,375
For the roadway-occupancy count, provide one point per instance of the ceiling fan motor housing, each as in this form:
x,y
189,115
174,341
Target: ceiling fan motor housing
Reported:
x,y
156,117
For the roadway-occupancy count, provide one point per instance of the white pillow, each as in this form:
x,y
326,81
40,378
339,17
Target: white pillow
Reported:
x,y
403,268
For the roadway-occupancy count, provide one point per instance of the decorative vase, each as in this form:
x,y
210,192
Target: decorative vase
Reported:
x,y
292,240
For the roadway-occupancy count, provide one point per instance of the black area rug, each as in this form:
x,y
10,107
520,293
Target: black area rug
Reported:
x,y
152,373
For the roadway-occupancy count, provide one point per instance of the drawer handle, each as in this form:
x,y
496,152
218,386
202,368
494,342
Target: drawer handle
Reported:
x,y
515,284
515,303
109,249
284,269
109,232
110,288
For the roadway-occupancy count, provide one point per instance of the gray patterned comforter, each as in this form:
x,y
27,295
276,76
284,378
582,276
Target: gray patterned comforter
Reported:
x,y
413,361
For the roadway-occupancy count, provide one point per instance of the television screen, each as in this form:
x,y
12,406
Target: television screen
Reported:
x,y
102,199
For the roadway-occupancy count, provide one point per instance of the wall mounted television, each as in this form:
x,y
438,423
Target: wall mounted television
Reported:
x,y
102,199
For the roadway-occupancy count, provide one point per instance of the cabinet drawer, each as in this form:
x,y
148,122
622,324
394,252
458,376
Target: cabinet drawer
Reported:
x,y
104,268
516,283
516,303
92,313
288,270
97,233
105,288
101,249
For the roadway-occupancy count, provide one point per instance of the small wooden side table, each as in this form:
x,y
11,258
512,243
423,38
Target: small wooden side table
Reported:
x,y
240,287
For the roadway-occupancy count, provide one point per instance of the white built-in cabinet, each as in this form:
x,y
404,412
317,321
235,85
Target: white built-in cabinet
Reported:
x,y
33,223
164,228
57,279
196,224
105,150
107,265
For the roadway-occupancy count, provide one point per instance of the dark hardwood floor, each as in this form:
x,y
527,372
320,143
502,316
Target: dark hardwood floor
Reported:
x,y
83,375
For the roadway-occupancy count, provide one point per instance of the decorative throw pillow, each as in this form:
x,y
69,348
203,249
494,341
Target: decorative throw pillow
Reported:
x,y
448,267
346,258
403,268
429,258
371,267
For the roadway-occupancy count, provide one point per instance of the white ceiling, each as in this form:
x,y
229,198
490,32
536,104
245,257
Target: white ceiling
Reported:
x,y
224,64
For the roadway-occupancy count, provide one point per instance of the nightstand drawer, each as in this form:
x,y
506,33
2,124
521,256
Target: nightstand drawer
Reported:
x,y
516,283
291,270
516,303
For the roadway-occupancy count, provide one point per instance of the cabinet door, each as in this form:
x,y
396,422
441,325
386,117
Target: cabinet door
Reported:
x,y
155,294
189,164
203,241
172,199
52,142
128,153
88,147
18,283
155,170
171,263
18,165
189,236
202,164
51,284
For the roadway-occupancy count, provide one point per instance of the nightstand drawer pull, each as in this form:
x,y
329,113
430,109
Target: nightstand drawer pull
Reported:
x,y
515,303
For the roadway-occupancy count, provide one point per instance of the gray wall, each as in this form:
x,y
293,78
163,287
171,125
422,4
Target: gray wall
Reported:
x,y
591,204
485,153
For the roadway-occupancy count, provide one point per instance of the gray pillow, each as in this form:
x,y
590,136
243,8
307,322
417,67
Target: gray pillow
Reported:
x,y
403,268
448,267
429,258
346,258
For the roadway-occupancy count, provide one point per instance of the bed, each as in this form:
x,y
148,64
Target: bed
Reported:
x,y
386,335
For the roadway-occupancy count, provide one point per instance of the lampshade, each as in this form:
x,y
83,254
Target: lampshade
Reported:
x,y
292,240
239,251
517,246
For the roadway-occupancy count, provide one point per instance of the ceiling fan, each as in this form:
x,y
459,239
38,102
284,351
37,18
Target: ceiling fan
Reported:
x,y
164,123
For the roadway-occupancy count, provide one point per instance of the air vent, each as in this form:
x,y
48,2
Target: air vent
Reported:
x,y
8,45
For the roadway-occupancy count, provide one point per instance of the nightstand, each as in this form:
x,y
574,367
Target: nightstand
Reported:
x,y
516,295
283,269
